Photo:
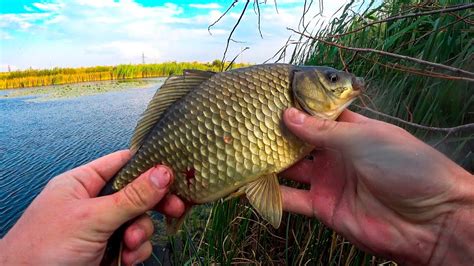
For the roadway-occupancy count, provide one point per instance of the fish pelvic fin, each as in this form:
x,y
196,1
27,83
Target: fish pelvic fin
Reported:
x,y
173,89
235,194
264,195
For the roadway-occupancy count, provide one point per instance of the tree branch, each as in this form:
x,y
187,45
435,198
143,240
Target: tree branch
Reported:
x,y
459,18
232,31
223,14
404,57
442,10
417,71
448,130
255,3
235,58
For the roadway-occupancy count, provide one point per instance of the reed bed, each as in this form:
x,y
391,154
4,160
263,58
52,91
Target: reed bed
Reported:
x,y
417,93
57,76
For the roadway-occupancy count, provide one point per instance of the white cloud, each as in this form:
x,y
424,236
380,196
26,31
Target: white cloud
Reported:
x,y
20,21
48,6
91,32
5,35
206,6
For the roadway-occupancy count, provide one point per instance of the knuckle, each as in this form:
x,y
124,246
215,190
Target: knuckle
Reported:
x,y
148,226
147,250
135,196
389,129
324,125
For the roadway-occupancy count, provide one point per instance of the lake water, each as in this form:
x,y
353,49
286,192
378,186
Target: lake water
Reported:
x,y
41,139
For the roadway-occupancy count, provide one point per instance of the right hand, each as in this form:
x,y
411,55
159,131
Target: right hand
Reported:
x,y
381,188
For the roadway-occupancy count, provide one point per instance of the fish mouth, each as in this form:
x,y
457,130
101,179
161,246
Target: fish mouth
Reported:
x,y
331,114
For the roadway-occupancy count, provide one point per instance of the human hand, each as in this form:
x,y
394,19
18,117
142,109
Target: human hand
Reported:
x,y
68,225
383,189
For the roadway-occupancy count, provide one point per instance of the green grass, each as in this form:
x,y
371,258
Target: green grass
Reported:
x,y
233,233
56,76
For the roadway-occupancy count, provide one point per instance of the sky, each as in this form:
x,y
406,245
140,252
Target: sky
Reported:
x,y
73,33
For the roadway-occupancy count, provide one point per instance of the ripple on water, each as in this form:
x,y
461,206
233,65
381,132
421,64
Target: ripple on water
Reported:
x,y
39,140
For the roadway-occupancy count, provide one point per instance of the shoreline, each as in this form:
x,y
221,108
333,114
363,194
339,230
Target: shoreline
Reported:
x,y
33,78
79,89
128,79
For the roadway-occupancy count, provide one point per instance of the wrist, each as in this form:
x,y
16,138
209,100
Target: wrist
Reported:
x,y
445,235
11,255
4,253
455,241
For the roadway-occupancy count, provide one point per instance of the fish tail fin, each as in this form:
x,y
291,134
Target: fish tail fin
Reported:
x,y
113,251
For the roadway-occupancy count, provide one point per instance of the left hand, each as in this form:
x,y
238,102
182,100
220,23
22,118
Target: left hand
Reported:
x,y
67,224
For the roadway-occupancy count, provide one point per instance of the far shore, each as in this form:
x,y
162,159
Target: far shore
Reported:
x,y
55,92
59,76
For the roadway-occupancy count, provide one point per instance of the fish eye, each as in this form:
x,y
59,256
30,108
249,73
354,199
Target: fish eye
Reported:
x,y
333,77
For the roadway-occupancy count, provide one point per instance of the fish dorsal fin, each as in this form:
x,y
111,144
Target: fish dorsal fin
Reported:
x,y
172,90
265,196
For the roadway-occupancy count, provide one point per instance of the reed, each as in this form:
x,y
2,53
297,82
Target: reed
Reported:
x,y
56,76
233,233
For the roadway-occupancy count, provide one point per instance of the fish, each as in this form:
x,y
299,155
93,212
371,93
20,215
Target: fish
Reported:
x,y
222,133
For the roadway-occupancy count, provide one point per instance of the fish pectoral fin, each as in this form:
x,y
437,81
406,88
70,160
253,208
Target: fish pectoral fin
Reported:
x,y
265,196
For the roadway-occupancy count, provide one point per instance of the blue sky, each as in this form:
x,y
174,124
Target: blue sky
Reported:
x,y
72,33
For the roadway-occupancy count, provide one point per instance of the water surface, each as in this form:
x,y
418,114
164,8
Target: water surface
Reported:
x,y
41,139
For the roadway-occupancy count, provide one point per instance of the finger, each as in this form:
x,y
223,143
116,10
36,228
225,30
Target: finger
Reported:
x,y
171,206
138,232
133,257
297,201
108,165
352,117
135,199
321,133
301,171
95,174
328,181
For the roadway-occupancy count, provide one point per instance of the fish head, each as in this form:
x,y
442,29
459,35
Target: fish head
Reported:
x,y
324,91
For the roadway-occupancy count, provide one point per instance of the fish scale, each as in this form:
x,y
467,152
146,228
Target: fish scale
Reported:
x,y
222,133
228,131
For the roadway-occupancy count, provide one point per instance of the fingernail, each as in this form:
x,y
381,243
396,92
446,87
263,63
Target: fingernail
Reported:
x,y
296,116
160,176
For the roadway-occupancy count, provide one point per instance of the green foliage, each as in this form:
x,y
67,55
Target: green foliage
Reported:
x,y
394,87
235,234
56,76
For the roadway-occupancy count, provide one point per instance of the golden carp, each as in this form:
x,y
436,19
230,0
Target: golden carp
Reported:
x,y
222,133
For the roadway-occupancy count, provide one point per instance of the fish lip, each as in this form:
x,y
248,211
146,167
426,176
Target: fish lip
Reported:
x,y
328,115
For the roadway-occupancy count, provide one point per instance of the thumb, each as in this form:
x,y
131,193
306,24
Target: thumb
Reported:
x,y
134,199
321,133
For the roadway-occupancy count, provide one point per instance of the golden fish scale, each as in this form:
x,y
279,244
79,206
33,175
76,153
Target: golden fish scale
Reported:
x,y
222,135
